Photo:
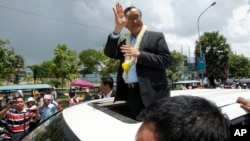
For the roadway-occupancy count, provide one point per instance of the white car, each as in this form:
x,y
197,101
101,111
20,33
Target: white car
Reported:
x,y
103,120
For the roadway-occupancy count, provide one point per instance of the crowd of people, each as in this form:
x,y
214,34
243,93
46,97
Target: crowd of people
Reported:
x,y
20,116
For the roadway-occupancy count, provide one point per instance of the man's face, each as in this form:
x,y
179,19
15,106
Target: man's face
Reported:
x,y
134,23
19,105
102,87
146,132
46,101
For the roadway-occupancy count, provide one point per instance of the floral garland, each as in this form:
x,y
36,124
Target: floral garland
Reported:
x,y
129,61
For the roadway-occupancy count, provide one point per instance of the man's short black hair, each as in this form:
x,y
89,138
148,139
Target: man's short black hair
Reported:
x,y
108,80
129,8
187,118
72,93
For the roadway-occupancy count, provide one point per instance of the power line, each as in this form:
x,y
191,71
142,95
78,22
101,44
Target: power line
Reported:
x,y
53,18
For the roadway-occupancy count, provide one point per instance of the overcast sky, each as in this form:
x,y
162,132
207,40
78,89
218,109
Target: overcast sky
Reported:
x,y
36,27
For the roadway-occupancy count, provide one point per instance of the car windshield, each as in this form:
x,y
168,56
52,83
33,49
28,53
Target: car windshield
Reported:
x,y
55,128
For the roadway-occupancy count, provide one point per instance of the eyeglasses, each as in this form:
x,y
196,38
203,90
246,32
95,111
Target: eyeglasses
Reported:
x,y
134,17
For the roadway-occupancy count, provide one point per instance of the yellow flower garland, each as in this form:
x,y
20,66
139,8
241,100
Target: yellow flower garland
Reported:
x,y
129,61
125,67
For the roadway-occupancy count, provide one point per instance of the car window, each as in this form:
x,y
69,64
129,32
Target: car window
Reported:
x,y
243,120
54,128
116,110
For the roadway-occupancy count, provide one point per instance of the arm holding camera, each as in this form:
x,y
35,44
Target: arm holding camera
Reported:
x,y
4,111
38,116
33,108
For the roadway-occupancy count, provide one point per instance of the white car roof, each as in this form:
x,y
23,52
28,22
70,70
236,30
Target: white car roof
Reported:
x,y
88,122
223,98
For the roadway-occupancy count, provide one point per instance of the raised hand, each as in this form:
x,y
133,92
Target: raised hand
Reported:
x,y
120,19
244,103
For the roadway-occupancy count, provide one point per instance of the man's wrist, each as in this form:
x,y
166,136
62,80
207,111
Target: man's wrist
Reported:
x,y
114,36
116,33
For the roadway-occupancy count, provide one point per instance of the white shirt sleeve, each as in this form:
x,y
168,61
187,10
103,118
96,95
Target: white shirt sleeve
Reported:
x,y
114,36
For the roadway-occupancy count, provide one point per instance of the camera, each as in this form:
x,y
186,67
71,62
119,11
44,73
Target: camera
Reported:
x,y
12,101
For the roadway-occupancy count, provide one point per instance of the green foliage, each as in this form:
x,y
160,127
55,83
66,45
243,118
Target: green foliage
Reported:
x,y
239,66
47,68
54,83
9,61
216,51
177,61
37,71
17,79
111,66
175,72
92,60
96,61
65,61
43,71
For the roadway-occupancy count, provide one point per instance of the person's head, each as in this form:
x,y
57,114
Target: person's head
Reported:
x,y
41,94
87,93
36,94
107,84
31,101
19,103
133,16
62,105
72,93
47,98
182,118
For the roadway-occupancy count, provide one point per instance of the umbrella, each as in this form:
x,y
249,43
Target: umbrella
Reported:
x,y
82,83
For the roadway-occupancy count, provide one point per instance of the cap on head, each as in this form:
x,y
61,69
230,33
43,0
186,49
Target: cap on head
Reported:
x,y
47,96
31,99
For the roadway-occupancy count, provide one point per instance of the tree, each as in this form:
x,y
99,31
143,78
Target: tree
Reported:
x,y
45,70
175,72
48,67
65,61
216,51
37,72
9,61
92,60
111,66
239,66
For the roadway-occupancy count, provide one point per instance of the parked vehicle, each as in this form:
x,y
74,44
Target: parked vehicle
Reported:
x,y
104,120
188,84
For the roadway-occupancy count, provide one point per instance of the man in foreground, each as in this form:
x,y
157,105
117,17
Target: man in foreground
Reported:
x,y
183,118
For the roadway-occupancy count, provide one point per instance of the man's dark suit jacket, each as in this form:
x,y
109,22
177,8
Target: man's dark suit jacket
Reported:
x,y
151,67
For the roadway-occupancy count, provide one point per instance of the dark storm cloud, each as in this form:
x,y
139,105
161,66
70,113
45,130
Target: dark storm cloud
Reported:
x,y
35,28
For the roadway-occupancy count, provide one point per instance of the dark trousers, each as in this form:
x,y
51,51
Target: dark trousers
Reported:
x,y
134,101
